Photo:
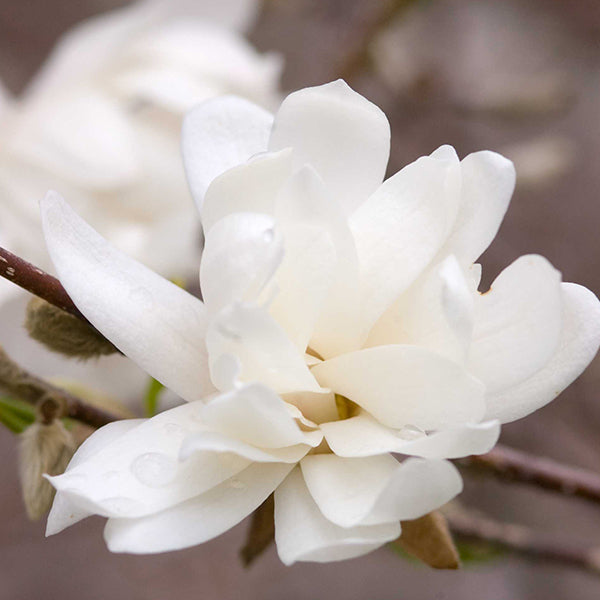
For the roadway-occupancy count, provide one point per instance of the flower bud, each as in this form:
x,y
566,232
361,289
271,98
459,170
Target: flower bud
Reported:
x,y
61,332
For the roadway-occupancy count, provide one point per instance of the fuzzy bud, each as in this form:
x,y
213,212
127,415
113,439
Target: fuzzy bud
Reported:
x,y
46,447
63,333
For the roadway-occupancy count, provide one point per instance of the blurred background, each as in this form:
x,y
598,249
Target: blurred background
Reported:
x,y
521,77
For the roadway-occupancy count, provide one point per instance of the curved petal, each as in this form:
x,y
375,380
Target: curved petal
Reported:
x,y
364,436
377,489
579,341
435,313
251,187
265,352
209,441
65,512
488,181
218,135
199,519
302,533
405,385
342,135
241,253
254,414
140,473
401,227
517,323
154,322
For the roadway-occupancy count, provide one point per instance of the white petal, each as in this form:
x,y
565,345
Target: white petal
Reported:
x,y
199,519
241,253
401,227
64,511
218,135
416,488
265,352
364,436
319,407
209,441
305,276
488,181
302,533
435,313
251,187
378,489
405,385
579,341
346,489
140,473
254,414
517,323
342,135
154,322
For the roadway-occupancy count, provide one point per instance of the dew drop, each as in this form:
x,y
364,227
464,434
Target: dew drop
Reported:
x,y
154,469
237,484
410,432
268,235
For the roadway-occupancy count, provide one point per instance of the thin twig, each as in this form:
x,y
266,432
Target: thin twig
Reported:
x,y
525,541
37,281
32,389
515,465
358,57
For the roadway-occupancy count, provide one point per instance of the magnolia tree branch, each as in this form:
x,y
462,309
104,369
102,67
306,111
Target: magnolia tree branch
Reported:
x,y
515,465
36,281
524,541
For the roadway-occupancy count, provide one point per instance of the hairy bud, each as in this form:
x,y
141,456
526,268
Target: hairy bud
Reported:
x,y
46,447
63,333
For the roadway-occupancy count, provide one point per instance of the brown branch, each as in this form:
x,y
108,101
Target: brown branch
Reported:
x,y
358,57
524,541
34,390
514,465
36,281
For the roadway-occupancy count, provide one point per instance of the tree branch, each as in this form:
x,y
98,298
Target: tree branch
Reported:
x,y
37,282
514,465
523,540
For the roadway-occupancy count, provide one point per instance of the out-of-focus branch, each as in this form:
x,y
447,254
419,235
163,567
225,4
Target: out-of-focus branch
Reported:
x,y
36,281
514,465
358,56
524,541
34,390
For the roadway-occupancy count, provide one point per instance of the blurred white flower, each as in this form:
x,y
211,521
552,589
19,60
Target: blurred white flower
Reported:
x,y
101,123
341,325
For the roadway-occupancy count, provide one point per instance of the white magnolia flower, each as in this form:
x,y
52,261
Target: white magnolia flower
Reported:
x,y
341,328
101,124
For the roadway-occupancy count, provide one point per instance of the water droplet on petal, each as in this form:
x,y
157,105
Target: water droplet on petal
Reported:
x,y
268,235
154,469
410,432
237,484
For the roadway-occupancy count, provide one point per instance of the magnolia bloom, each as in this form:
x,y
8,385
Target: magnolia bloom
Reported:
x,y
342,353
101,123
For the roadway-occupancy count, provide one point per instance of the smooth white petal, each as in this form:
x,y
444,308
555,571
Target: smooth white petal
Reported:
x,y
488,181
199,519
154,322
342,135
305,275
364,436
241,253
140,473
302,533
265,352
346,489
517,323
209,441
401,227
254,414
220,134
250,187
417,487
64,511
579,341
319,407
405,385
435,313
